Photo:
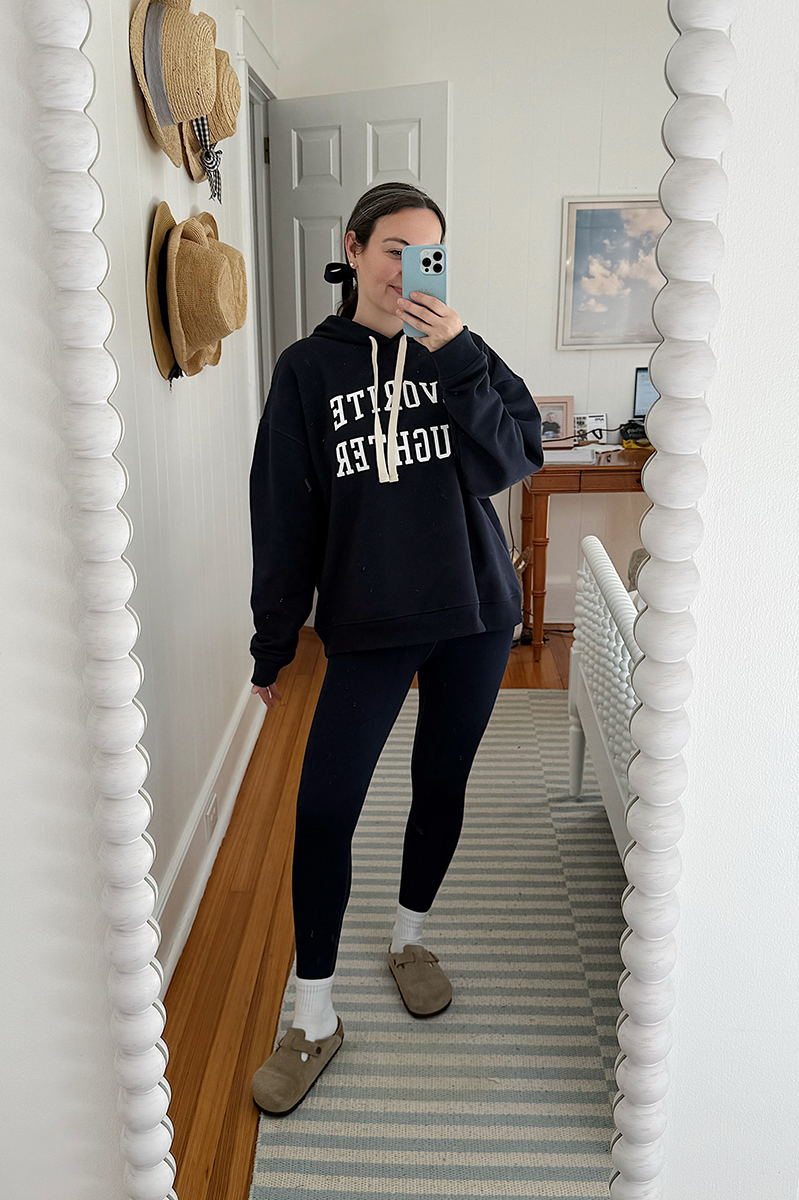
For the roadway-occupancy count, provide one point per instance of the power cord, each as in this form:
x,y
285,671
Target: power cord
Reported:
x,y
598,432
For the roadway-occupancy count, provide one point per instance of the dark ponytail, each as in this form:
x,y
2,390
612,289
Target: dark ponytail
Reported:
x,y
379,202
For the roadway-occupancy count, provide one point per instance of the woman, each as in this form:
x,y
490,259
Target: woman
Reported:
x,y
390,519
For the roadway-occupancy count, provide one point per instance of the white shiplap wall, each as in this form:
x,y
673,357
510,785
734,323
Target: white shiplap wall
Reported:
x,y
188,452
59,1129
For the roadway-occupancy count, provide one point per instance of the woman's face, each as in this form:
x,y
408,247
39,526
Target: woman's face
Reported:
x,y
379,263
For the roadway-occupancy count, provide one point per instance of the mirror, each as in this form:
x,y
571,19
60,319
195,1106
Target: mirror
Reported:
x,y
569,125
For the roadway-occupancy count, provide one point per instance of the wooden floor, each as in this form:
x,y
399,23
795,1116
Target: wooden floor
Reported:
x,y
224,998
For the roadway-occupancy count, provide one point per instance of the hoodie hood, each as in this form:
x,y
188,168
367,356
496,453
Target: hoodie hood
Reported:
x,y
343,329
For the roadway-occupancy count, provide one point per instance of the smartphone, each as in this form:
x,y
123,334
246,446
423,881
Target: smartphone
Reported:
x,y
424,269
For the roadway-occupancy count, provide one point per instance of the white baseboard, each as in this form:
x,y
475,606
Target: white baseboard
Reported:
x,y
184,882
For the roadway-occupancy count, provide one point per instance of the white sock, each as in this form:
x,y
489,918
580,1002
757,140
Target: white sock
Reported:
x,y
407,929
313,1009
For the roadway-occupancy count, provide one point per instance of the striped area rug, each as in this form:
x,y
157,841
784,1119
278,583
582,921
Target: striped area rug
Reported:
x,y
508,1091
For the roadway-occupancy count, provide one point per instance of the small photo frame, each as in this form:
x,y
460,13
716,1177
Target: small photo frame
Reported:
x,y
609,277
590,427
557,420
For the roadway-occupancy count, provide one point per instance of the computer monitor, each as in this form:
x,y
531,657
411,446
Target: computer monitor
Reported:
x,y
645,394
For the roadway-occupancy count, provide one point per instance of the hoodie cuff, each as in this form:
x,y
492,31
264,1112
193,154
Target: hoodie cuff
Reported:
x,y
264,673
456,356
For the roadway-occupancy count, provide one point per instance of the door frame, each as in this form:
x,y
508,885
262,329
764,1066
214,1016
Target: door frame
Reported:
x,y
261,286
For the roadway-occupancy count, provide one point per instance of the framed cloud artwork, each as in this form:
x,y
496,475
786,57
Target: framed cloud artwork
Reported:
x,y
609,277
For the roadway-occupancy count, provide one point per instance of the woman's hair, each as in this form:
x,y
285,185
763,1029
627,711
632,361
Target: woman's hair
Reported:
x,y
379,202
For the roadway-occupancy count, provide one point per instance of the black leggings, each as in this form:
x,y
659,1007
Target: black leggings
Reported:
x,y
359,701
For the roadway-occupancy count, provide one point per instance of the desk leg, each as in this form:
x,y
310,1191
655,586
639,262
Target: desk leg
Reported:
x,y
527,573
540,543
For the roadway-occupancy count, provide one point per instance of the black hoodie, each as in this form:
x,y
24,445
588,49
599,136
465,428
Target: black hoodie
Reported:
x,y
403,547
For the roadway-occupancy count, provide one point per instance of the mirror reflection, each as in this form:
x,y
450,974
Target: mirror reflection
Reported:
x,y
390,866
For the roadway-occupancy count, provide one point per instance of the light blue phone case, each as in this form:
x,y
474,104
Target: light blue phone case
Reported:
x,y
420,277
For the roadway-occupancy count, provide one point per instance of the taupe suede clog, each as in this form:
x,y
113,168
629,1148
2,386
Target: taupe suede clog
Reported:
x,y
424,987
283,1080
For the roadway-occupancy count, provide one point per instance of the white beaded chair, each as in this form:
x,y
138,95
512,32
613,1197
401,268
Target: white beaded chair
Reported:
x,y
601,696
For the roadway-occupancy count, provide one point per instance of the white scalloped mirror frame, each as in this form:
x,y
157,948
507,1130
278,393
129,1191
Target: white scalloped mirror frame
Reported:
x,y
696,129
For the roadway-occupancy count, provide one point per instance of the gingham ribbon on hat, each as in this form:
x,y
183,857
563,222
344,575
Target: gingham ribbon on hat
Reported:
x,y
210,157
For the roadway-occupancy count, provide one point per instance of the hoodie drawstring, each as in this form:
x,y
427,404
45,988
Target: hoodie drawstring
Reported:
x,y
388,473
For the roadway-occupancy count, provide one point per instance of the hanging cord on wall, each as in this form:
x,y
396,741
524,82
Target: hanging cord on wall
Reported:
x,y
598,432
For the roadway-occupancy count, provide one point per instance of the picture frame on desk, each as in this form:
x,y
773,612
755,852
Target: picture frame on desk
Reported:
x,y
557,420
588,425
608,273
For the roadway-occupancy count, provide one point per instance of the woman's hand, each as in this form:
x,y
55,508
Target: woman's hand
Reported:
x,y
270,695
431,316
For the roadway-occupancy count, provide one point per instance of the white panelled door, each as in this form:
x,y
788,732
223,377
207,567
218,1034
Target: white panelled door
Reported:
x,y
324,152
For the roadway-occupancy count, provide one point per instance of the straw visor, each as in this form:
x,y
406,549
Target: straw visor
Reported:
x,y
173,55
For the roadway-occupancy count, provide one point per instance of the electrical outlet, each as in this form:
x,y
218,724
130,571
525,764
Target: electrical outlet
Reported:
x,y
211,815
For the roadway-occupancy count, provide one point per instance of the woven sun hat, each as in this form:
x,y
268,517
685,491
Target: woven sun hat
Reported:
x,y
173,55
221,118
206,287
188,271
157,305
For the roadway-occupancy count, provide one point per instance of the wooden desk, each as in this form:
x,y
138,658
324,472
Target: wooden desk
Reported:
x,y
623,476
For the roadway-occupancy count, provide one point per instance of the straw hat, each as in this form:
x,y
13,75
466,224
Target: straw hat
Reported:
x,y
221,118
196,292
157,308
173,54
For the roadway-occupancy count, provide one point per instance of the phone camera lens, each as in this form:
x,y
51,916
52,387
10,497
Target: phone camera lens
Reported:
x,y
438,267
438,254
425,262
